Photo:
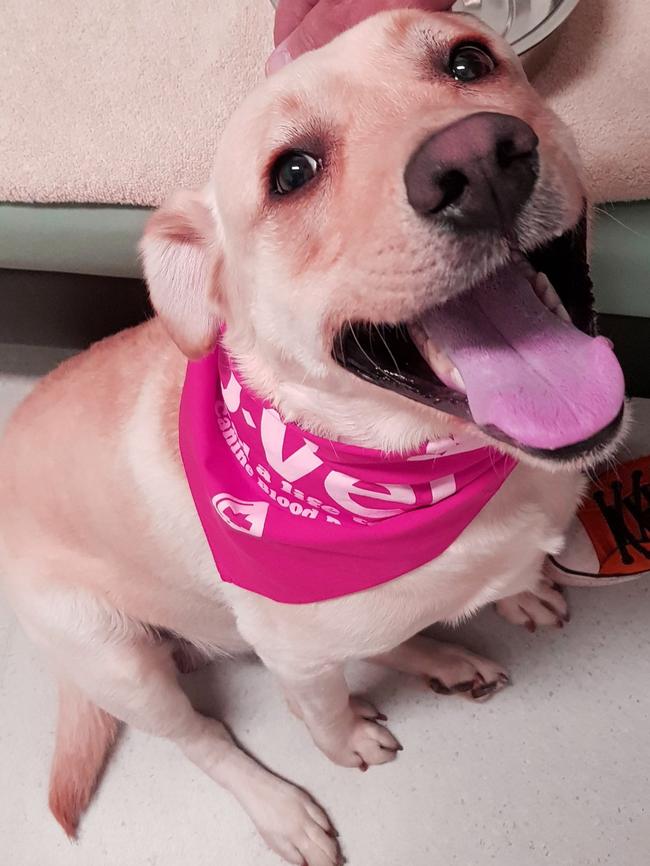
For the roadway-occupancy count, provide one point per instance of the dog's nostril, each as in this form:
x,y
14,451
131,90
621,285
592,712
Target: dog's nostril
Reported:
x,y
508,150
452,185
476,173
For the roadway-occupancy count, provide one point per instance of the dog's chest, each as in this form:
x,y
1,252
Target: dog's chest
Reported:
x,y
499,554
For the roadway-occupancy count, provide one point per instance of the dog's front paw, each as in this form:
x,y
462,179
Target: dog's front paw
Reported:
x,y
360,740
293,825
545,606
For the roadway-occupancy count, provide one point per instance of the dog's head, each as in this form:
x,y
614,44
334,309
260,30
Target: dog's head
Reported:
x,y
381,236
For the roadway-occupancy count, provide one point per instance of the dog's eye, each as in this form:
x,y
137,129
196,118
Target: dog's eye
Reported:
x,y
293,170
470,62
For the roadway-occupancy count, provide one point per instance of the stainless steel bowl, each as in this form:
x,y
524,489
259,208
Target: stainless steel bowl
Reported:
x,y
526,24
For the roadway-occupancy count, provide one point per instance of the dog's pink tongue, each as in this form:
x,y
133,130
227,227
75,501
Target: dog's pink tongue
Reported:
x,y
537,379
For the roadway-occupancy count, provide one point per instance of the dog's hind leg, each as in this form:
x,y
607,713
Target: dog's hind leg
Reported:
x,y
119,669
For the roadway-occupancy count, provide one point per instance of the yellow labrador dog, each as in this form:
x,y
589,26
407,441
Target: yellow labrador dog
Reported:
x,y
385,219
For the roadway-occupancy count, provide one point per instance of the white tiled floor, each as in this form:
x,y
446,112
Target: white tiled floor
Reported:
x,y
553,771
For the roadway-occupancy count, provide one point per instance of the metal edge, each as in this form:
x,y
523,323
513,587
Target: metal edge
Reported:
x,y
545,28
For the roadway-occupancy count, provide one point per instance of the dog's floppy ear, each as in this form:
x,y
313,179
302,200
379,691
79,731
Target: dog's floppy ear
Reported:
x,y
182,256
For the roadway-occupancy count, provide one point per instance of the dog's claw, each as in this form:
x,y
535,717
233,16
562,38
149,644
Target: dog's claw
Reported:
x,y
438,687
530,626
363,767
482,691
476,688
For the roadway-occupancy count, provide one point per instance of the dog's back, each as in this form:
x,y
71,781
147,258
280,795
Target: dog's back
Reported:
x,y
59,460
64,456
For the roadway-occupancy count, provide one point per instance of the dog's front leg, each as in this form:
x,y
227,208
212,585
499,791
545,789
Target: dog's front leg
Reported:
x,y
345,728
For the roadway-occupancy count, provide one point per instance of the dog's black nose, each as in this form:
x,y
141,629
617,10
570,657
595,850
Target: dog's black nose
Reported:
x,y
476,173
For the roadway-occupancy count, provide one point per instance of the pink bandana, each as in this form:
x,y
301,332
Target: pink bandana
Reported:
x,y
297,518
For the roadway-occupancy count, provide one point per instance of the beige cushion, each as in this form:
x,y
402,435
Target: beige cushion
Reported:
x,y
598,80
122,101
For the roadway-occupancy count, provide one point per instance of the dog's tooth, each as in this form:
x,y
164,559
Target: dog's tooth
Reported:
x,y
457,379
544,290
549,297
439,362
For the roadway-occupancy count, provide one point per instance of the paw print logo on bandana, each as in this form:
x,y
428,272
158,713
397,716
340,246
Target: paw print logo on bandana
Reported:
x,y
240,515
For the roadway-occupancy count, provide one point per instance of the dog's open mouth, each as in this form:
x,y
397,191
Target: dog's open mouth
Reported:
x,y
514,354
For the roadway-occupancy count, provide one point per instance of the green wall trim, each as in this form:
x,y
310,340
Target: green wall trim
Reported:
x,y
72,238
102,240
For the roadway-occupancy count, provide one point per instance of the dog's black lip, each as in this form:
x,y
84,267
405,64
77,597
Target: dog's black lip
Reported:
x,y
563,260
364,350
569,452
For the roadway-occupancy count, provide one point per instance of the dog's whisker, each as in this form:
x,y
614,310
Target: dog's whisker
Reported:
x,y
619,222
342,350
356,340
388,349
